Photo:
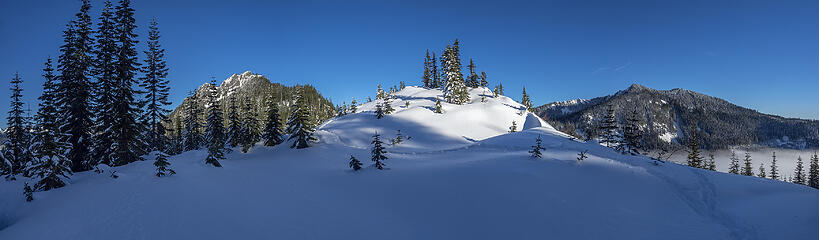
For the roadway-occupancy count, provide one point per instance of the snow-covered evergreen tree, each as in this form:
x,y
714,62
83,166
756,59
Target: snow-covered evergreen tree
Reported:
x,y
18,139
455,89
298,124
234,132
379,111
426,79
582,156
250,125
711,164
353,106
774,169
272,133
51,166
799,172
734,167
28,192
192,135
215,130
379,93
813,172
155,83
514,127
484,83
537,148
761,170
438,108
608,127
694,157
126,131
747,170
75,89
387,105
354,163
105,71
378,152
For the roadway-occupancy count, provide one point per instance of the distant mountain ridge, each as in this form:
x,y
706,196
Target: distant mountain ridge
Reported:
x,y
668,115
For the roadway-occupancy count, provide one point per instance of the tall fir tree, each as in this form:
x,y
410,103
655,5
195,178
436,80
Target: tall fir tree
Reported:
x,y
378,152
799,172
813,172
455,89
126,130
215,129
105,71
761,171
51,165
426,79
526,101
484,83
472,79
250,125
712,163
608,127
75,90
155,84
18,139
774,169
272,133
694,157
734,167
192,135
632,137
234,132
748,170
298,124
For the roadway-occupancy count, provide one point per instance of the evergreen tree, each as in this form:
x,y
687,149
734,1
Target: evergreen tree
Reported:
x,y
436,76
156,88
28,192
215,130
378,152
734,168
813,172
455,89
192,139
711,164
472,80
250,125
631,143
379,93
747,170
484,83
799,172
426,79
438,108
582,156
761,170
388,107
17,134
51,165
774,170
75,89
161,163
379,111
298,124
273,127
536,148
126,131
354,163
608,127
234,133
514,127
353,106
694,158
105,71
526,101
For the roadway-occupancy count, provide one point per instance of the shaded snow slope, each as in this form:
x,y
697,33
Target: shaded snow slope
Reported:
x,y
460,176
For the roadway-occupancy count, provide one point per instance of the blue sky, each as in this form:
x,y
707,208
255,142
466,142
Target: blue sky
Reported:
x,y
758,54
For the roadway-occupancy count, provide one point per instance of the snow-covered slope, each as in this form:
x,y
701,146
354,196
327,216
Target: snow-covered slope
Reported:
x,y
460,176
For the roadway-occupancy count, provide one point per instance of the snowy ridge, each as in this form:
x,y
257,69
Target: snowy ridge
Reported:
x,y
461,175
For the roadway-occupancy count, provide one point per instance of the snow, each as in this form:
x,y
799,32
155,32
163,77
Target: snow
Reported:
x,y
460,176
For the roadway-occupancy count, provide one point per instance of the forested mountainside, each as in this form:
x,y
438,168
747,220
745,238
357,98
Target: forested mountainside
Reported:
x,y
255,90
667,117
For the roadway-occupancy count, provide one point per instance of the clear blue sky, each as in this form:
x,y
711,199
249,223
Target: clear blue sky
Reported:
x,y
758,54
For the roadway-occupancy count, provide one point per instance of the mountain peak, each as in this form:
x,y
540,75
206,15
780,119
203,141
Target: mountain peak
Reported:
x,y
636,87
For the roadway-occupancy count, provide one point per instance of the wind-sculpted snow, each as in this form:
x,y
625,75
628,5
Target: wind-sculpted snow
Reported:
x,y
461,175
